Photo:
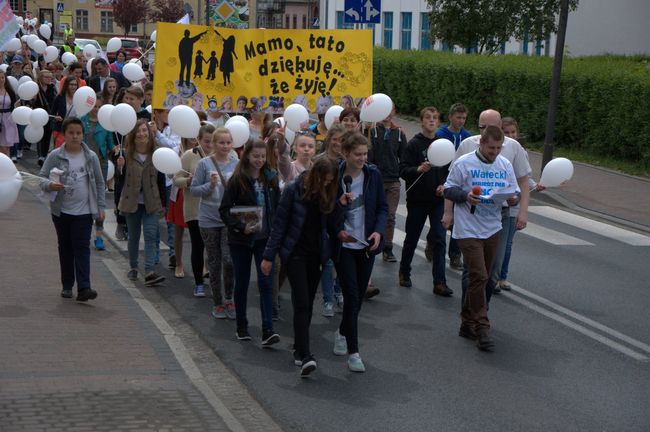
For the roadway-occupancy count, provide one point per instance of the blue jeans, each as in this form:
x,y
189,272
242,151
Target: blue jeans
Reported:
x,y
510,228
149,224
415,219
328,283
73,235
354,269
241,260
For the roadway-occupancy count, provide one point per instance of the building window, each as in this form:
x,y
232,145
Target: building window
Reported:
x,y
133,28
14,5
388,30
425,42
287,21
82,19
295,21
304,21
340,21
106,22
407,24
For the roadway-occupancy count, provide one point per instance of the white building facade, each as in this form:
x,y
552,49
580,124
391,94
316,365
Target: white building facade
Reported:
x,y
595,27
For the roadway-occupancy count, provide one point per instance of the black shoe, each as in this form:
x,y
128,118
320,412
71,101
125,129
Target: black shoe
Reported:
x,y
442,289
132,275
270,338
153,279
41,161
388,256
371,292
243,335
467,332
456,262
405,281
86,294
172,263
428,252
66,293
120,232
308,366
484,342
297,358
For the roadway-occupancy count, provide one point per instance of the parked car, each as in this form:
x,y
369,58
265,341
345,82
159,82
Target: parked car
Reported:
x,y
131,46
81,43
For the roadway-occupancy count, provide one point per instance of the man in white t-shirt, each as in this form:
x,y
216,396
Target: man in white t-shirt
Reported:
x,y
516,155
477,223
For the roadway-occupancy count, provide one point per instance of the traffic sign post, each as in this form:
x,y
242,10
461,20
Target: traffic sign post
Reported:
x,y
362,11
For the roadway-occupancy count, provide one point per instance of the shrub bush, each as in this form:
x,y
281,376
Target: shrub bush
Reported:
x,y
604,101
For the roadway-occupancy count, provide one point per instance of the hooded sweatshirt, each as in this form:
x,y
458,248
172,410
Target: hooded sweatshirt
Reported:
x,y
424,190
454,137
386,148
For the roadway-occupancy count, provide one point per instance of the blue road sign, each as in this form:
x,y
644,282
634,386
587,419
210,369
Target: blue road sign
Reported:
x,y
60,7
362,11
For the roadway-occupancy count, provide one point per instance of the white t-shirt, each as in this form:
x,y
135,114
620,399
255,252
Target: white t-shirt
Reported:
x,y
511,150
355,215
75,195
468,171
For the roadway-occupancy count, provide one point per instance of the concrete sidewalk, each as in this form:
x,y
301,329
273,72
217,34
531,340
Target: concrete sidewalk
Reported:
x,y
102,365
600,192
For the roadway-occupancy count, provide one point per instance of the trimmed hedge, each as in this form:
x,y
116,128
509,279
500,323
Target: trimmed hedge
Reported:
x,y
604,101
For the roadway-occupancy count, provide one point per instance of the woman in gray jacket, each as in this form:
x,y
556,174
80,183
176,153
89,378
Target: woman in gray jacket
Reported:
x,y
73,176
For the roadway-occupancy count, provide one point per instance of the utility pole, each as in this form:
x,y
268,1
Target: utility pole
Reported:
x,y
555,84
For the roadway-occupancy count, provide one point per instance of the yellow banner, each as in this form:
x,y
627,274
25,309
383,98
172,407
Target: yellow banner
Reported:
x,y
231,70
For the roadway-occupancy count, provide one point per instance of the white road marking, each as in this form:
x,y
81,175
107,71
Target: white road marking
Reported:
x,y
553,237
600,228
178,348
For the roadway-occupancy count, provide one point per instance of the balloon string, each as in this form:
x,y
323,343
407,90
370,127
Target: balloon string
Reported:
x,y
26,174
416,180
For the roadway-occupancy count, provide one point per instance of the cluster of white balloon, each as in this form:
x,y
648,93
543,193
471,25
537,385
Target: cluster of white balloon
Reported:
x,y
10,183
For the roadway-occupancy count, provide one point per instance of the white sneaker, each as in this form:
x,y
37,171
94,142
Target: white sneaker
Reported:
x,y
340,344
339,302
19,154
328,309
355,364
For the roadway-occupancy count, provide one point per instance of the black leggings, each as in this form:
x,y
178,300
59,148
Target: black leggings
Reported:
x,y
197,251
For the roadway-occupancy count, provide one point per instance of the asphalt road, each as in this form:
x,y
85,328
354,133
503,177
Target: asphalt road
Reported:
x,y
552,369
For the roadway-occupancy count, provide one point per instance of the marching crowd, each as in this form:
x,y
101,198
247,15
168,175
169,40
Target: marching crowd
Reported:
x,y
315,211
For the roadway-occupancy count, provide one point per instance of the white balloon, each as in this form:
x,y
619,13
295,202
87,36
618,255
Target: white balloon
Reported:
x,y
84,100
110,173
7,167
14,83
133,72
90,51
31,39
51,54
67,58
9,190
28,90
123,118
13,45
19,20
21,115
89,66
23,38
153,36
376,108
289,135
166,161
556,172
39,117
136,61
3,67
45,31
33,133
149,109
295,115
441,152
237,118
23,79
40,46
240,133
113,44
332,114
104,117
49,25
183,121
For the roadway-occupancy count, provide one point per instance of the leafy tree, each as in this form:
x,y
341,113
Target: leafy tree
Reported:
x,y
130,12
166,11
487,24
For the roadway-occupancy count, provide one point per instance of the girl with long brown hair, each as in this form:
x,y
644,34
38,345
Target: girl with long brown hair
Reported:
x,y
304,221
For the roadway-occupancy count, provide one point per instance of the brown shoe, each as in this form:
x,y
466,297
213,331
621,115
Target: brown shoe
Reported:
x,y
404,280
442,289
467,332
484,342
